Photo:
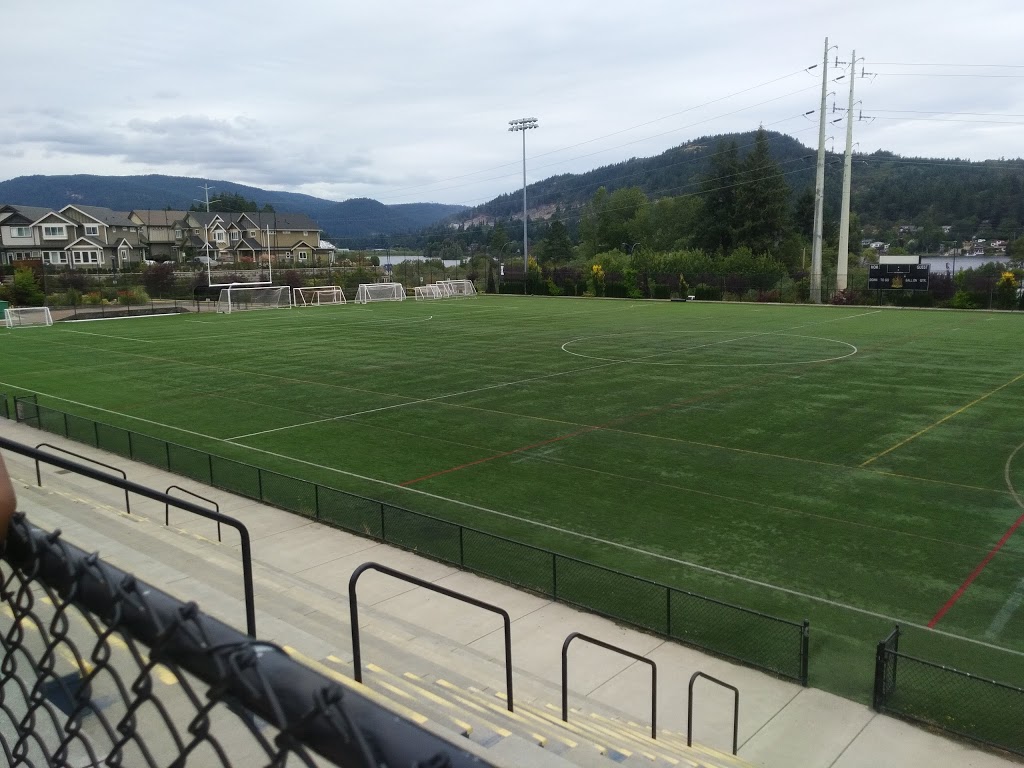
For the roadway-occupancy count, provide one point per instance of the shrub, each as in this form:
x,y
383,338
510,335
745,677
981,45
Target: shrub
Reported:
x,y
706,292
662,291
132,296
963,300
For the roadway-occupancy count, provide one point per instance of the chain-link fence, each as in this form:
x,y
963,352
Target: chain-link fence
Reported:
x,y
767,642
984,710
100,668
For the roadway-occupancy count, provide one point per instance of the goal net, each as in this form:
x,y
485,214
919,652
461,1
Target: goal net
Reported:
x,y
424,292
237,298
319,295
368,292
461,287
23,317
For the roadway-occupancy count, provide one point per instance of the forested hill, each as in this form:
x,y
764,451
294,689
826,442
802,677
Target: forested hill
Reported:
x,y
888,190
361,219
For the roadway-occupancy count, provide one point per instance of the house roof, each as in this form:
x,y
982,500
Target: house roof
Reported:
x,y
261,220
30,213
86,241
104,215
152,218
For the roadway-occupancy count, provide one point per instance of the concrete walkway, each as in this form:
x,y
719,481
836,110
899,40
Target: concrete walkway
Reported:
x,y
301,577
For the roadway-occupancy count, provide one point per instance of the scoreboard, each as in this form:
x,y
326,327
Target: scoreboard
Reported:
x,y
898,277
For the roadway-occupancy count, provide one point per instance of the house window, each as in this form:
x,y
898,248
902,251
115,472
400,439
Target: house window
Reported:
x,y
235,235
177,234
305,233
219,236
21,231
123,253
92,229
252,233
54,232
86,257
302,255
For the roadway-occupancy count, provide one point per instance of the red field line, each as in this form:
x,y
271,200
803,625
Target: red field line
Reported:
x,y
975,573
577,432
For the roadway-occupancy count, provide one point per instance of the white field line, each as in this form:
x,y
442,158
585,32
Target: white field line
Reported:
x,y
1013,602
110,336
514,383
546,526
126,317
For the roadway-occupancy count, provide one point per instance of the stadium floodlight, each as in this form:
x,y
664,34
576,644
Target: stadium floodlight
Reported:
x,y
524,124
243,296
315,296
368,292
26,317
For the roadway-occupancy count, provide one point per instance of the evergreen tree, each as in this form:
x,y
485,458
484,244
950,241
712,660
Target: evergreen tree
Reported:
x,y
762,200
557,245
715,228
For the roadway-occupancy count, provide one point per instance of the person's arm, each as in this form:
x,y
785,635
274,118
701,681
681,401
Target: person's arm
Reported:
x,y
6,499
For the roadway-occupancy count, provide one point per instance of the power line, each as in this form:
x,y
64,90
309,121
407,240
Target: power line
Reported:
x,y
605,136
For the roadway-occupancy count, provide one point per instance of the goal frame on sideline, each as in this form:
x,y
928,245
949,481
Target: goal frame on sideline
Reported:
x,y
226,306
318,291
17,312
363,293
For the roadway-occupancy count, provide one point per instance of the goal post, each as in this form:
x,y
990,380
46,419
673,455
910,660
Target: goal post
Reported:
x,y
26,317
368,292
241,297
319,295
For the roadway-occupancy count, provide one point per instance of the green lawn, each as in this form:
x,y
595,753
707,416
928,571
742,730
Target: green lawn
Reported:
x,y
844,464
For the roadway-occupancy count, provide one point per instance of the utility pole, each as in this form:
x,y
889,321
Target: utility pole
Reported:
x,y
819,188
844,221
206,188
524,124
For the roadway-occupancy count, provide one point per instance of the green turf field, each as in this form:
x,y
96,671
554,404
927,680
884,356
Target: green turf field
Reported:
x,y
850,465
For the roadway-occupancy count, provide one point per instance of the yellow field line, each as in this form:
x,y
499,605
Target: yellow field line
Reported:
x,y
941,421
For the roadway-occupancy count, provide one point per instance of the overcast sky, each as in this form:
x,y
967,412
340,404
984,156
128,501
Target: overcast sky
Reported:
x,y
409,100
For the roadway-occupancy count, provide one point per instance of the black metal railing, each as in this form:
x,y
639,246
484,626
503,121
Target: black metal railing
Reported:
x,y
193,494
735,709
760,640
121,472
100,668
353,602
163,498
608,646
886,656
987,711
5,408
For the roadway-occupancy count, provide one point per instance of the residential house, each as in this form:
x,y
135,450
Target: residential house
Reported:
x,y
288,238
19,240
162,230
76,236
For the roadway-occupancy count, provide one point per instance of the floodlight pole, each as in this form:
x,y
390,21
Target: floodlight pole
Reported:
x,y
524,124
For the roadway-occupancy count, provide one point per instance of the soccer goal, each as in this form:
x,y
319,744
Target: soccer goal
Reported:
x,y
462,287
240,297
425,292
316,296
368,292
24,317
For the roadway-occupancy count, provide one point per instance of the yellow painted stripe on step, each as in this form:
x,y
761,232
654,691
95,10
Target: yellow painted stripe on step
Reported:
x,y
467,729
369,693
338,660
